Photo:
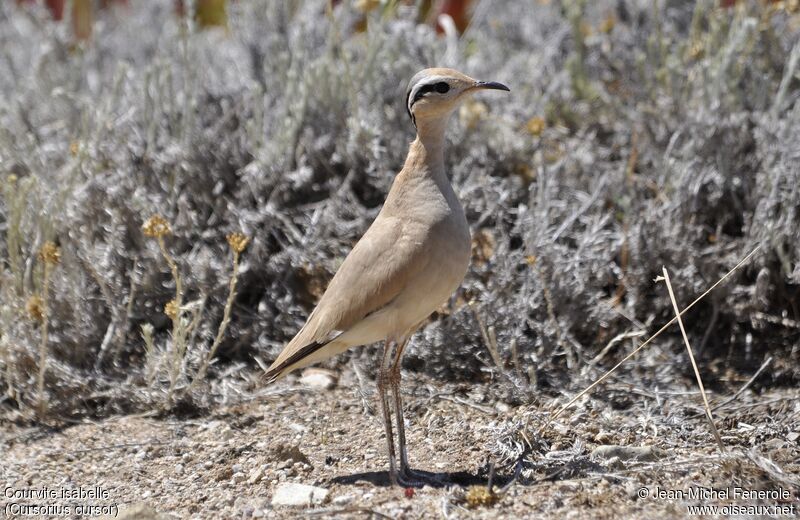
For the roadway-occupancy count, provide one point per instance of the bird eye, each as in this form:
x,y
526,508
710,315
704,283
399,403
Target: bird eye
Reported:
x,y
442,87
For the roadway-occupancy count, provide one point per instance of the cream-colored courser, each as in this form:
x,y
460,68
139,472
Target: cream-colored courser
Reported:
x,y
409,262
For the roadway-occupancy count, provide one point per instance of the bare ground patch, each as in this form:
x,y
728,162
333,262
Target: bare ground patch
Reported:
x,y
228,464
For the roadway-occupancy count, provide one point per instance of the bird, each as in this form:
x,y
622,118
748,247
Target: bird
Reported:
x,y
409,262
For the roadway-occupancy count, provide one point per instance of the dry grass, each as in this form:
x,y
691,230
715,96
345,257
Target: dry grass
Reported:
x,y
694,363
638,135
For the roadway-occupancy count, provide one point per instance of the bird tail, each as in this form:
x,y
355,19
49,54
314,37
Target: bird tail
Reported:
x,y
282,367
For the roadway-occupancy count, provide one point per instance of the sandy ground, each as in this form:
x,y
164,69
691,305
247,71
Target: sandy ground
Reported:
x,y
229,463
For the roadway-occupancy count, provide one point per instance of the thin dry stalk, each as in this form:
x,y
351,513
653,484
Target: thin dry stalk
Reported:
x,y
745,386
121,333
694,363
151,361
223,326
647,342
178,346
489,338
517,364
616,339
5,351
42,404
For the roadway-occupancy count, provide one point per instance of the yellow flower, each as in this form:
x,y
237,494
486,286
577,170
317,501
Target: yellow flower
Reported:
x,y
238,241
35,308
696,50
535,126
586,29
607,25
480,496
525,171
171,309
366,6
50,253
156,227
12,179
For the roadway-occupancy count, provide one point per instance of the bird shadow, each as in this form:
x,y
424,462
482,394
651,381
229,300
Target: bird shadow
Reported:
x,y
428,478
563,470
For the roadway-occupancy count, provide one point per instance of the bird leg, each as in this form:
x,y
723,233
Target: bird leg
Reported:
x,y
383,379
394,382
408,477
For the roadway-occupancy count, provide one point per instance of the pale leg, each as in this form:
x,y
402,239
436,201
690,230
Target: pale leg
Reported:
x,y
394,381
408,477
384,378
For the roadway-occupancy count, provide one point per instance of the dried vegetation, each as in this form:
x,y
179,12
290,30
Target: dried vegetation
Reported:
x,y
638,135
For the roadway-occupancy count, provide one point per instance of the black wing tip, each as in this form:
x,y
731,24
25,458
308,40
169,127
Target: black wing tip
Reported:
x,y
273,374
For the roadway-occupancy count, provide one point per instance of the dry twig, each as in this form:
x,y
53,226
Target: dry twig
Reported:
x,y
694,363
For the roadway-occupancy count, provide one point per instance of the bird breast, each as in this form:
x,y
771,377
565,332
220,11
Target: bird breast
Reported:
x,y
434,217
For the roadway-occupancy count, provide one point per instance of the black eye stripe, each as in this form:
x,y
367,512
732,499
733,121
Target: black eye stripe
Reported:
x,y
424,89
441,87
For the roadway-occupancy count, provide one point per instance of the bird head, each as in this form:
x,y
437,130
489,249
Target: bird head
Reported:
x,y
436,93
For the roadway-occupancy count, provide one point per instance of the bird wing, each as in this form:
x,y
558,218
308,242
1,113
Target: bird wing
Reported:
x,y
372,275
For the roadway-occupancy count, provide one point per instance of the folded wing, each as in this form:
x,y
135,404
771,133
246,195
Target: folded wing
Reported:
x,y
373,274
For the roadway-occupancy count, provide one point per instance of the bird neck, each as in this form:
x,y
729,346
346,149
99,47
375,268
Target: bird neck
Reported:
x,y
428,148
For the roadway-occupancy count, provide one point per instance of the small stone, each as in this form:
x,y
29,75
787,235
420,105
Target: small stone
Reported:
x,y
502,407
141,512
342,500
256,475
602,437
774,443
211,425
577,419
615,463
238,478
293,494
179,468
298,428
318,379
222,431
793,436
624,453
287,455
237,468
